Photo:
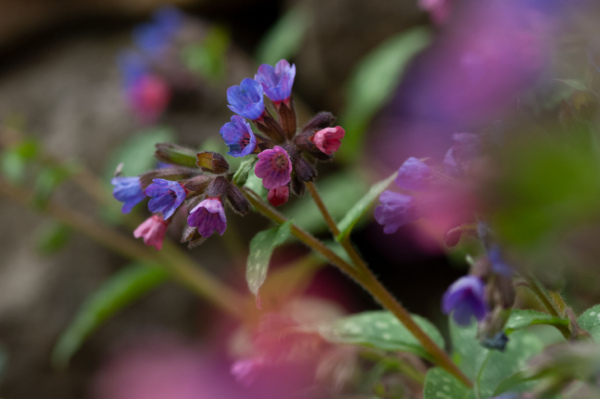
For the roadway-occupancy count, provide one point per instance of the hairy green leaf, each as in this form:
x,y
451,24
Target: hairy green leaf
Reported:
x,y
590,322
439,384
524,318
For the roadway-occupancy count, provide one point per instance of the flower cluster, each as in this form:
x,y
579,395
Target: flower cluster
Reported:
x,y
286,156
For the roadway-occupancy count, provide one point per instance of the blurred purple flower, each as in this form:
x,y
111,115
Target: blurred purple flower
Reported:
x,y
459,157
155,36
148,97
395,211
438,9
208,216
153,231
245,371
166,196
414,175
238,135
499,266
277,82
132,66
247,99
274,167
465,299
328,140
129,191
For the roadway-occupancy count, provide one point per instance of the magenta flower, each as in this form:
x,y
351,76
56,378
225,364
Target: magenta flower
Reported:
x,y
465,298
247,99
274,167
395,211
129,191
328,139
166,195
153,231
238,135
277,82
208,216
438,9
245,371
148,97
414,175
278,196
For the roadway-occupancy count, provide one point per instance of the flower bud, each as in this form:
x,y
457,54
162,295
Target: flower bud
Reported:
x,y
278,196
212,162
175,155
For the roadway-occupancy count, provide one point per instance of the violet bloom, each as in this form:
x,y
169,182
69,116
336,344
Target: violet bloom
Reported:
x,y
274,167
129,191
238,136
153,231
395,211
166,196
277,82
329,139
148,97
414,175
278,196
499,266
155,36
465,298
247,99
208,216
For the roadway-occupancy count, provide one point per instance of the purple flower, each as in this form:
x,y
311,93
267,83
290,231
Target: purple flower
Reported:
x,y
208,216
414,175
274,167
395,211
465,298
247,99
245,371
166,196
238,135
153,37
277,82
153,231
132,66
498,264
459,157
129,191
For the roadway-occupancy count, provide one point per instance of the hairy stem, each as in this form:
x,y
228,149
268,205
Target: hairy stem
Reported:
x,y
181,267
365,278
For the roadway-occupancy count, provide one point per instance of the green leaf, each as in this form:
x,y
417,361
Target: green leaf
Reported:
x,y
439,384
121,289
254,183
209,57
339,192
14,159
381,330
524,318
590,322
261,249
53,238
489,368
574,83
48,180
373,82
137,153
285,38
354,214
241,174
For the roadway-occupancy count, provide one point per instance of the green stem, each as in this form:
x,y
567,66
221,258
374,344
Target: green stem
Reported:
x,y
365,278
180,266
540,294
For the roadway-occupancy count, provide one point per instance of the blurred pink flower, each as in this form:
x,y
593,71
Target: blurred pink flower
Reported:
x,y
148,97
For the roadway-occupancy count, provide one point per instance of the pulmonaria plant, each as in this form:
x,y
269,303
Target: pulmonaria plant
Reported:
x,y
200,184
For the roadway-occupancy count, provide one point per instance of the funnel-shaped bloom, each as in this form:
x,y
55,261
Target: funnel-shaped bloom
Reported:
x,y
208,216
274,167
465,299
166,196
129,191
153,231
238,136
414,175
277,82
247,99
395,211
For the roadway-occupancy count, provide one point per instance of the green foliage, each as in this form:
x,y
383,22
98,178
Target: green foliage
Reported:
x,y
52,238
520,319
121,289
14,160
590,321
254,183
285,38
381,330
48,180
374,80
137,153
261,249
339,192
439,384
241,174
354,214
209,57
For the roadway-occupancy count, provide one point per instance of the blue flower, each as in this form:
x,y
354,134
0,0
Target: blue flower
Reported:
x,y
129,191
153,37
238,135
395,211
247,99
414,175
133,67
465,299
277,82
166,196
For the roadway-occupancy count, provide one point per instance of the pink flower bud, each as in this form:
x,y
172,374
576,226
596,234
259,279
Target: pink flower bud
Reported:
x,y
153,231
279,196
328,139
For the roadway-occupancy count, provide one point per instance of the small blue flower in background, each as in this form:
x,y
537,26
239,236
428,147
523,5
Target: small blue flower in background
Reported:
x,y
153,37
395,211
277,82
166,196
414,175
238,136
132,66
129,191
465,299
247,99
